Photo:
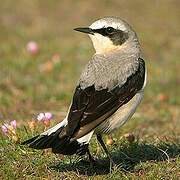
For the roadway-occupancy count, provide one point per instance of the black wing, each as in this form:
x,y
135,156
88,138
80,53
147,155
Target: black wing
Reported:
x,y
91,107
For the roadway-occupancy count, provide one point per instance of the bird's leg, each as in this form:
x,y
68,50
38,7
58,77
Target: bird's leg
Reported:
x,y
99,138
91,159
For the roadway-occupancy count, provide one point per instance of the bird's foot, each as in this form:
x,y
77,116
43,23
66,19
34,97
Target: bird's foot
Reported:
x,y
112,166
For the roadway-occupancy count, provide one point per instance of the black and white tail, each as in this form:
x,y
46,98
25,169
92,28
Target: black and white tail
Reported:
x,y
56,139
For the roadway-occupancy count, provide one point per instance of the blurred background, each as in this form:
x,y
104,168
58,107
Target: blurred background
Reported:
x,y
33,81
41,59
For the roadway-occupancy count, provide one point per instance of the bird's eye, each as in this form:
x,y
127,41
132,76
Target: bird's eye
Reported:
x,y
110,30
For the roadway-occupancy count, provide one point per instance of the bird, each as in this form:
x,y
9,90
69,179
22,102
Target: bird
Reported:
x,y
108,92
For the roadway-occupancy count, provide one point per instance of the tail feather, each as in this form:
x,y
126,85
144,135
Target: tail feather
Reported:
x,y
40,143
43,141
57,139
30,140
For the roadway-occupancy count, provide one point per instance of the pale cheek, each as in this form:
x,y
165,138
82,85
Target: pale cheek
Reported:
x,y
102,44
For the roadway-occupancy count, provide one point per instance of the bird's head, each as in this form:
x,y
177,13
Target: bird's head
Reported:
x,y
111,34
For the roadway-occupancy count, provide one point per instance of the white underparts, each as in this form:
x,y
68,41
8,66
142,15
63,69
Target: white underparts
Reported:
x,y
145,79
85,139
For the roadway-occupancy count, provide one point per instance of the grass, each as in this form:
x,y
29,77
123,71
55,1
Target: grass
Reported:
x,y
26,90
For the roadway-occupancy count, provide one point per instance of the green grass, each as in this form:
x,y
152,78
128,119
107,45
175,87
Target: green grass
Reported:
x,y
25,90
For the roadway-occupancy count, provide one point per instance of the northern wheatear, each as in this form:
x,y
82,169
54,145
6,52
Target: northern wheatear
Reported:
x,y
108,92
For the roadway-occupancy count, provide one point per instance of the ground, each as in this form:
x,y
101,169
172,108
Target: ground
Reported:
x,y
31,84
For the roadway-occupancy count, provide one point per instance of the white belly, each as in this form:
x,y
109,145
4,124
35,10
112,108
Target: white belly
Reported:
x,y
123,114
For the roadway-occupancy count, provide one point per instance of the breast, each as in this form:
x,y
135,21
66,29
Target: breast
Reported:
x,y
123,114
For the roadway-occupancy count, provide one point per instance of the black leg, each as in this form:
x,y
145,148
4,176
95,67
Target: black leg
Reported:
x,y
91,159
99,138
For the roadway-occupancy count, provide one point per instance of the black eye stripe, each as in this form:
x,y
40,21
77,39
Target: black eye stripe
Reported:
x,y
117,36
105,31
100,31
110,30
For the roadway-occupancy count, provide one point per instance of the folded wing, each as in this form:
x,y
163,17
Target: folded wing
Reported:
x,y
91,107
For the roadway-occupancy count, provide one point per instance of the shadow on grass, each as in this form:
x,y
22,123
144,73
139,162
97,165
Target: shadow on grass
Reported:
x,y
126,158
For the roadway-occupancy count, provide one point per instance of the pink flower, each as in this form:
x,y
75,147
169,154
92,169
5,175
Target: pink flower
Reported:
x,y
13,123
5,128
9,129
40,117
33,48
48,115
45,117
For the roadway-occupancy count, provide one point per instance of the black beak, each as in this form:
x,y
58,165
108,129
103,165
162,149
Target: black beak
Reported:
x,y
85,30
